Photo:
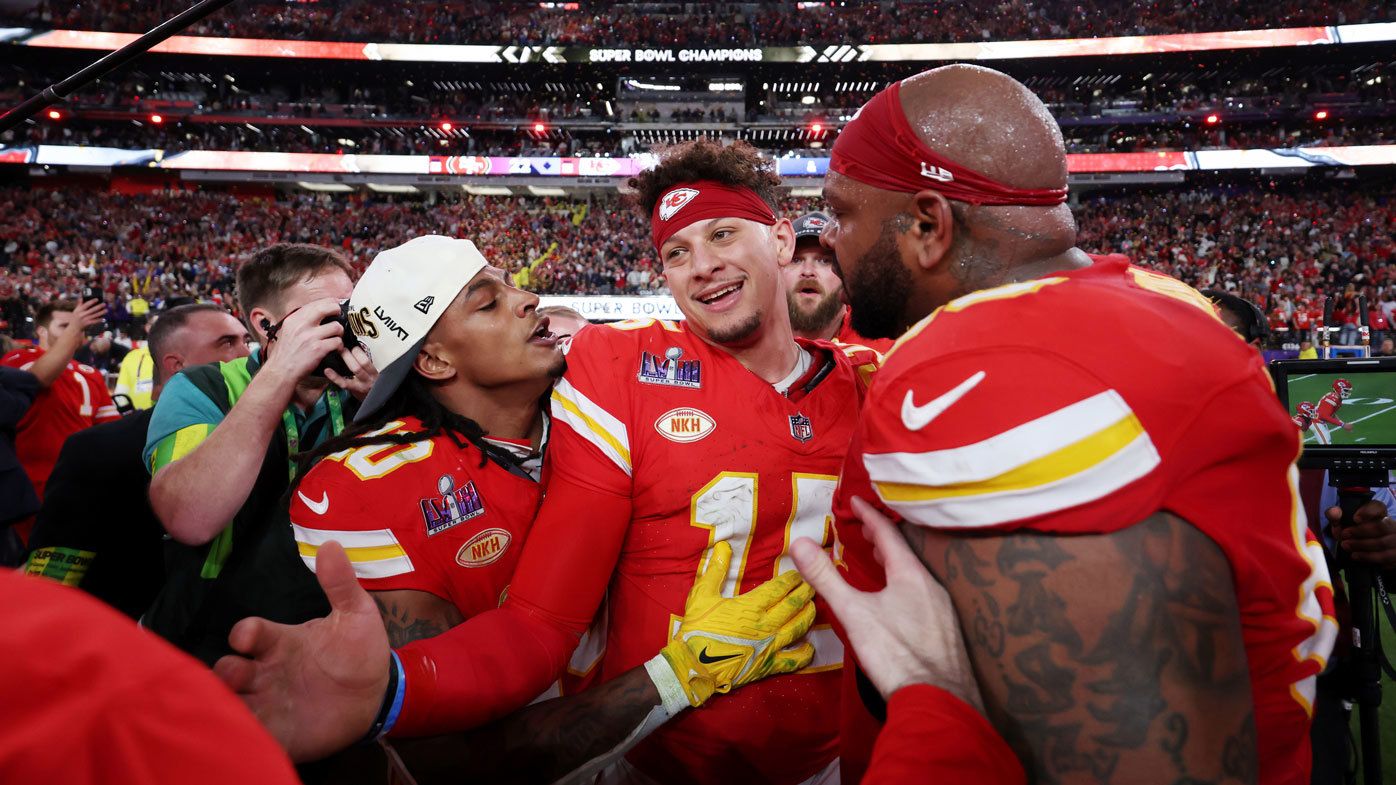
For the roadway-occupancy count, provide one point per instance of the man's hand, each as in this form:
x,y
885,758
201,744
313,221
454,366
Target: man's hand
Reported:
x,y
724,643
86,314
1371,539
316,686
905,634
1347,426
361,370
302,341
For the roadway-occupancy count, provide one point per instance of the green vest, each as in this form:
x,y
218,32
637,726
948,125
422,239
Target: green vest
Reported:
x,y
252,568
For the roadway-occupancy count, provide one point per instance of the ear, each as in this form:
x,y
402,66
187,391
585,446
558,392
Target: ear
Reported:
x,y
932,232
784,234
170,365
254,323
432,366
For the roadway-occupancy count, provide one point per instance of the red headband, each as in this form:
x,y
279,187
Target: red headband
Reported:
x,y
879,148
687,203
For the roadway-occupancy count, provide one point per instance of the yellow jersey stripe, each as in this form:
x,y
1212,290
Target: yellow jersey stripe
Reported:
x,y
1052,467
592,423
380,553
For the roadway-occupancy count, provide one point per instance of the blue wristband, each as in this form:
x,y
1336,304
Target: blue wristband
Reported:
x,y
392,701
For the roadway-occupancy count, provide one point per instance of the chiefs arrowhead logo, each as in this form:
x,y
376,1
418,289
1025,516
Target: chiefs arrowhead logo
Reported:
x,y
674,201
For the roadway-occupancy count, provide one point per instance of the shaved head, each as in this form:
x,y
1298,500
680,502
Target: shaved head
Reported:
x,y
907,245
987,121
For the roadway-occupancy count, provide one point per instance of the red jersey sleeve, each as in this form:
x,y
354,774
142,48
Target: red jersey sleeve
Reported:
x,y
21,358
590,444
1328,407
933,736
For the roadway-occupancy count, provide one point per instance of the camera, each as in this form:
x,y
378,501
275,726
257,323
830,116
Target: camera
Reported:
x,y
332,361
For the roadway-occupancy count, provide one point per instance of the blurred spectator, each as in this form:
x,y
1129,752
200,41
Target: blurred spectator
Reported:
x,y
72,396
17,498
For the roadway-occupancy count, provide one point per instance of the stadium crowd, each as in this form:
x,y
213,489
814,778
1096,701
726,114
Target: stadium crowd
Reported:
x,y
708,24
1274,246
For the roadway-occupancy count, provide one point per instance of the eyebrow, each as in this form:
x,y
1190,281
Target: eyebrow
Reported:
x,y
493,275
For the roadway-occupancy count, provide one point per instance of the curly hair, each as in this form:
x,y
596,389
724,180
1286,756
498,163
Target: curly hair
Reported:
x,y
737,164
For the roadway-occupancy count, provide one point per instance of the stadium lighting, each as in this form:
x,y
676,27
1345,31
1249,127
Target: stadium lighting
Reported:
x,y
1212,119
446,126
156,119
1321,114
539,128
817,128
54,114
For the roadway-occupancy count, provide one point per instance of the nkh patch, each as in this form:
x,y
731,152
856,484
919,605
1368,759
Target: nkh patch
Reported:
x,y
685,425
486,547
670,370
801,427
452,506
674,201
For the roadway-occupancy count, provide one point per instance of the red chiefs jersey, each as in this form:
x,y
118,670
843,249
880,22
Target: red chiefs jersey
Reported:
x,y
995,413
77,399
425,516
1301,422
1328,407
708,451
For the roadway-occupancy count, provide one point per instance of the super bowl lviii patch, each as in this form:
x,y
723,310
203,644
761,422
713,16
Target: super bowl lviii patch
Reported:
x,y
670,370
451,506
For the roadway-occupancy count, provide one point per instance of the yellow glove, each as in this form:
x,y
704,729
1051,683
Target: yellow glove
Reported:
x,y
724,643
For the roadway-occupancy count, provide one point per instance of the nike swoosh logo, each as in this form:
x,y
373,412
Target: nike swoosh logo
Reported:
x,y
707,660
917,417
319,508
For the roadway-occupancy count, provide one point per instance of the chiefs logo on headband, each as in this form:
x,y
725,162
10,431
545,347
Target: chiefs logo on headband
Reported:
x,y
674,201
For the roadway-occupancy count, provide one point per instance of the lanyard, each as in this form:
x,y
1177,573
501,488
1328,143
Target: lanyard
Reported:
x,y
293,434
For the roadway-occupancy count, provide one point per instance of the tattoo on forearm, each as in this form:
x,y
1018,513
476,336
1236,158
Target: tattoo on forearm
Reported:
x,y
404,625
539,744
1076,701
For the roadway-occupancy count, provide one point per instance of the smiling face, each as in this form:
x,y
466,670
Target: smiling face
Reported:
x,y
491,336
725,276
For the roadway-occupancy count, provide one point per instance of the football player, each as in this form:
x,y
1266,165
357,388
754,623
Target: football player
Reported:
x,y
73,396
1327,413
1124,468
1303,419
434,488
721,432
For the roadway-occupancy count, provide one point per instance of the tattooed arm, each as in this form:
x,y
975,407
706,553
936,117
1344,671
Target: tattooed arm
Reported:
x,y
540,743
1105,658
543,742
412,615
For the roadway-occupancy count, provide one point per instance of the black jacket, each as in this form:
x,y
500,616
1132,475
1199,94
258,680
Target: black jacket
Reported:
x,y
17,497
96,529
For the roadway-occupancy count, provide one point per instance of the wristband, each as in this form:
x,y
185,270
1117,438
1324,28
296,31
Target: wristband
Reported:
x,y
671,692
391,708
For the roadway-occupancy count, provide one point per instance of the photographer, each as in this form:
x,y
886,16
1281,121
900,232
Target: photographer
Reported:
x,y
220,449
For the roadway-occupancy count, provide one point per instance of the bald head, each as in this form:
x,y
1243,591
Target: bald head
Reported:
x,y
986,121
978,202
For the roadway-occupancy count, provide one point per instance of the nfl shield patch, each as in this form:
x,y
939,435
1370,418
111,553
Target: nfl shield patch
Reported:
x,y
801,428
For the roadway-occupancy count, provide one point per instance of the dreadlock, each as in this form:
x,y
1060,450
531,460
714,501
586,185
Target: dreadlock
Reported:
x,y
411,399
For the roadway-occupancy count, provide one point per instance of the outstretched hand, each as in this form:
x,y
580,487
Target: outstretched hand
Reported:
x,y
316,686
905,634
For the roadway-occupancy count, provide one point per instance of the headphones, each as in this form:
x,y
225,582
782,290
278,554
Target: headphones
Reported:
x,y
1253,322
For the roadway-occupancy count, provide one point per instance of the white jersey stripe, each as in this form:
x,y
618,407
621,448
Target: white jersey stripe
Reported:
x,y
375,538
1121,468
1004,452
592,423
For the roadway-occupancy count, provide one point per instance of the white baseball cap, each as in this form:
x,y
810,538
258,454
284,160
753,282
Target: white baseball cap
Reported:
x,y
398,300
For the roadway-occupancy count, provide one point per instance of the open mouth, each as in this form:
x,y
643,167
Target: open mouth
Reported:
x,y
720,295
541,336
810,289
